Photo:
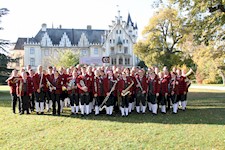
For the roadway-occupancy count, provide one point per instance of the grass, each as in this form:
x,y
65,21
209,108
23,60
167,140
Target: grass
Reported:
x,y
200,127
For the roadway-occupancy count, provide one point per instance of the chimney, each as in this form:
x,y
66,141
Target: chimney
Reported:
x,y
60,26
89,27
44,27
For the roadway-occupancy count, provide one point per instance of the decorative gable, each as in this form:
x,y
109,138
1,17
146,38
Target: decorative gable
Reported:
x,y
46,41
83,42
65,41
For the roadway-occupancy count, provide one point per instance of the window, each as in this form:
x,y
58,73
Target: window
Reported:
x,y
113,60
127,61
84,52
46,52
96,51
112,50
116,31
123,41
120,61
120,32
114,41
32,50
110,41
17,62
32,61
125,50
127,41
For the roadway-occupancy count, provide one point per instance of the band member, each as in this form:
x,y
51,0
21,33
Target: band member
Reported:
x,y
56,91
133,95
109,82
24,91
91,75
32,98
84,85
182,87
73,93
163,92
12,82
131,99
173,90
49,94
141,90
64,93
188,84
98,91
153,91
124,87
167,76
39,86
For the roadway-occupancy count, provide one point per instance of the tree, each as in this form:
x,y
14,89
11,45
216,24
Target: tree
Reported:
x,y
163,34
205,18
3,43
65,58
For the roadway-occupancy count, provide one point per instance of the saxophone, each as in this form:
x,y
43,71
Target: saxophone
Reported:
x,y
126,91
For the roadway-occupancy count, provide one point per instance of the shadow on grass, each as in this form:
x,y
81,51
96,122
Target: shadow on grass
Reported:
x,y
203,108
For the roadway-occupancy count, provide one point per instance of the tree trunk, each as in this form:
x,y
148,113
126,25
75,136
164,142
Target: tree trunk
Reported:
x,y
223,76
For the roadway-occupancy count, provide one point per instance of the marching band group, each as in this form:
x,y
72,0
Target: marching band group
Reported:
x,y
88,89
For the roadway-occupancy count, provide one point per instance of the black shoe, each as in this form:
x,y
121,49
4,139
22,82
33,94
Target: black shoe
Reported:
x,y
28,112
21,113
37,113
174,113
42,113
163,113
72,114
54,114
153,114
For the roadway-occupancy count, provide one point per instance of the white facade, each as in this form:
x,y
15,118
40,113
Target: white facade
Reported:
x,y
115,43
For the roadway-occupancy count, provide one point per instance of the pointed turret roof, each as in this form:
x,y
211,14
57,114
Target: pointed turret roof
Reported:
x,y
129,20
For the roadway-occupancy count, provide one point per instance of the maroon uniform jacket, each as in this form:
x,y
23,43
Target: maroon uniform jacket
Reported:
x,y
163,83
173,87
182,85
20,92
108,85
12,85
153,85
144,83
134,85
123,84
37,80
76,90
87,82
64,79
58,84
98,86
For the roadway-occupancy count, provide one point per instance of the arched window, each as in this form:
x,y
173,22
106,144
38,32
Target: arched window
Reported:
x,y
120,61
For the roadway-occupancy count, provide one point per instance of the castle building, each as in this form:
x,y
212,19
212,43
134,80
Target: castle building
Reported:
x,y
93,46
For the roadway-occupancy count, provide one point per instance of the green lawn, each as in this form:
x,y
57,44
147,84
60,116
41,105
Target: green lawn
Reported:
x,y
201,126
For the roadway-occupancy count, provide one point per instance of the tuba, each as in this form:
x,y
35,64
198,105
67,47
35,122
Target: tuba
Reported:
x,y
189,73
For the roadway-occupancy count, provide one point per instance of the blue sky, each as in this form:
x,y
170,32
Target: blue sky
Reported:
x,y
26,16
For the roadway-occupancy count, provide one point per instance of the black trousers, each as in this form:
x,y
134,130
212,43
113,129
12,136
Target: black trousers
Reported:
x,y
174,98
32,101
125,101
56,99
140,98
74,99
181,97
40,97
110,101
25,102
84,98
162,99
14,101
152,98
98,100
49,96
